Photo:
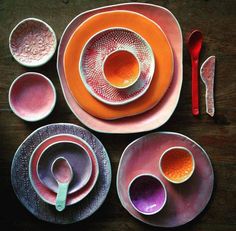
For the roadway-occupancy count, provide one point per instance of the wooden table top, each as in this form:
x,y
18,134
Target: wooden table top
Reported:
x,y
216,19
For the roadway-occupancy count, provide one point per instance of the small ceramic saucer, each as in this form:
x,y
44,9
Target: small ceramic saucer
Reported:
x,y
185,201
96,50
29,198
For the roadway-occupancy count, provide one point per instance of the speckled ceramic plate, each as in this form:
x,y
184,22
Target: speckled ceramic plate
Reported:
x,y
185,201
95,52
153,118
29,198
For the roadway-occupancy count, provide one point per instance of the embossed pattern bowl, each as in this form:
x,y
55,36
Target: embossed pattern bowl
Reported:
x,y
94,68
32,42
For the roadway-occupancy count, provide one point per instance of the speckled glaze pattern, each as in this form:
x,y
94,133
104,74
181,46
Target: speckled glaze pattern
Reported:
x,y
32,42
94,54
29,198
184,201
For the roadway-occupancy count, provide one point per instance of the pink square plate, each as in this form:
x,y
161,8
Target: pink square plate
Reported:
x,y
153,118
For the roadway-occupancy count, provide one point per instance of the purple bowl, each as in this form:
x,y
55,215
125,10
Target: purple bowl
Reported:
x,y
147,194
77,157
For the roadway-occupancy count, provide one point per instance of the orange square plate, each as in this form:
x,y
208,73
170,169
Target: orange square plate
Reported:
x,y
146,28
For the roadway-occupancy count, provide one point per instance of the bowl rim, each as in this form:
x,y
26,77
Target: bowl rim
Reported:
x,y
136,78
25,75
152,66
49,56
67,142
156,178
181,148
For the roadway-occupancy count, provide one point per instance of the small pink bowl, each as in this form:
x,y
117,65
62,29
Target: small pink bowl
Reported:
x,y
32,96
32,42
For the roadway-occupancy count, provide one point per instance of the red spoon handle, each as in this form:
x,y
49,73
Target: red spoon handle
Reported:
x,y
195,94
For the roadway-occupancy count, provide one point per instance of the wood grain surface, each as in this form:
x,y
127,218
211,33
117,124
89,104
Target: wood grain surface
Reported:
x,y
217,20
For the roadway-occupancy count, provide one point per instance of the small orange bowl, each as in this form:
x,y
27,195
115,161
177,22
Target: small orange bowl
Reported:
x,y
121,69
177,164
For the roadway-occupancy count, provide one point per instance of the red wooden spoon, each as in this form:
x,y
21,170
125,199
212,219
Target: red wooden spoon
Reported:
x,y
194,46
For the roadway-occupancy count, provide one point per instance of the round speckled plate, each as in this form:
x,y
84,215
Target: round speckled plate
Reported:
x,y
30,199
184,201
95,52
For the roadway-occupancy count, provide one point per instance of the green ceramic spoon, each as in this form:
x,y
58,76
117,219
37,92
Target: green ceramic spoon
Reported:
x,y
63,174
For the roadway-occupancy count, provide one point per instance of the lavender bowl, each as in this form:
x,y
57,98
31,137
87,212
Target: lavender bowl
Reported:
x,y
147,194
78,158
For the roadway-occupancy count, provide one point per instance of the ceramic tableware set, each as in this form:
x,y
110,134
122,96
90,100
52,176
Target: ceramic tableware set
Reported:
x,y
120,69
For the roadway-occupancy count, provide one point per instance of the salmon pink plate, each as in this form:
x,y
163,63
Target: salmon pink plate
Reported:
x,y
35,204
186,200
93,57
158,115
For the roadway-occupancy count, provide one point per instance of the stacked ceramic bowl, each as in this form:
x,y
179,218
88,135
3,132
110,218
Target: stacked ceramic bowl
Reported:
x,y
121,66
80,158
61,173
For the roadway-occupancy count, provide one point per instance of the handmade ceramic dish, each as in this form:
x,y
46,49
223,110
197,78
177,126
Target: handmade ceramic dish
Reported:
x,y
45,193
30,199
121,68
153,118
147,194
78,158
151,32
186,200
32,96
177,164
32,42
133,56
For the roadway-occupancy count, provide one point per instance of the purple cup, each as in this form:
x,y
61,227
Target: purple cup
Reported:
x,y
147,194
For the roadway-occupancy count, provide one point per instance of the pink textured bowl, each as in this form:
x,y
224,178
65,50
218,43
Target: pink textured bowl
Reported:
x,y
32,42
32,96
93,66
